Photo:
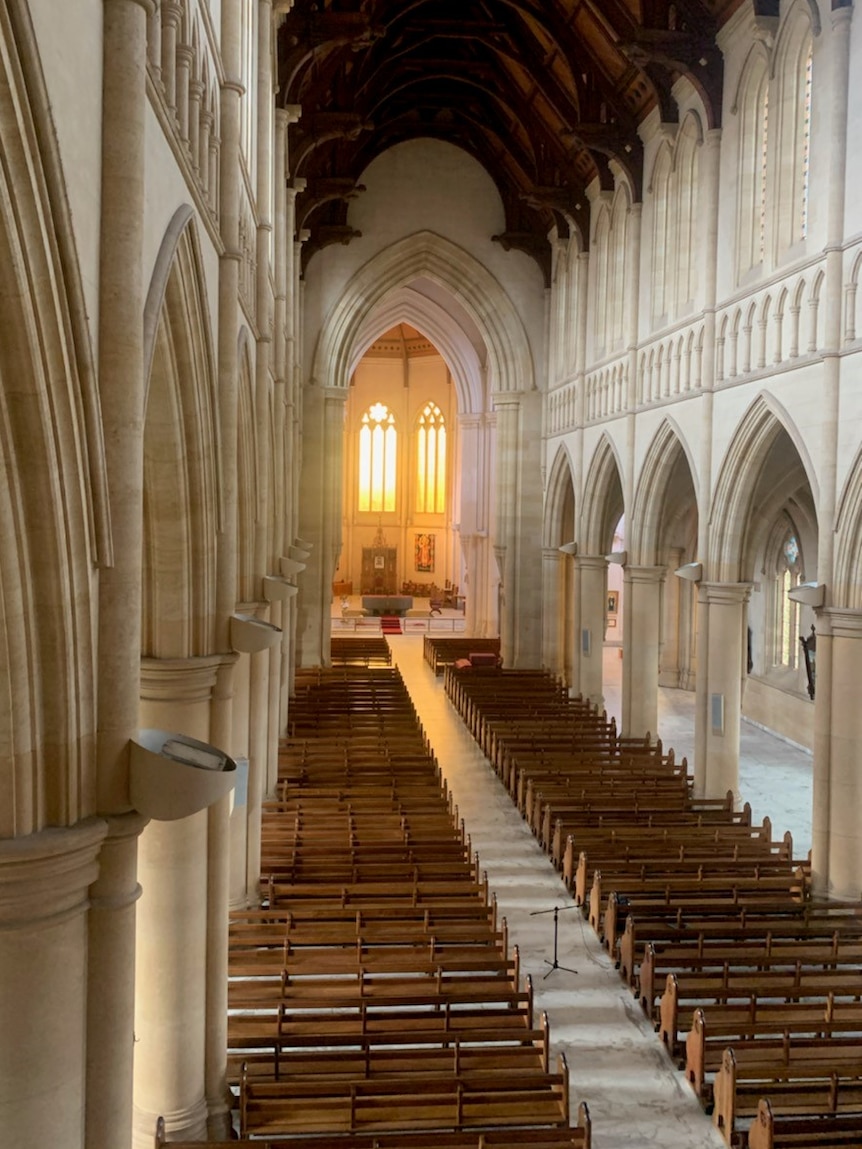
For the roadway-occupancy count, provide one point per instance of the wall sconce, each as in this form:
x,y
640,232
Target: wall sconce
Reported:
x,y
303,544
618,558
569,549
290,566
809,652
277,589
248,634
174,776
691,572
298,553
811,594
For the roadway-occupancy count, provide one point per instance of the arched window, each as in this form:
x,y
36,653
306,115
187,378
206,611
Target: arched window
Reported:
x,y
751,196
785,632
660,231
792,156
378,442
431,461
684,213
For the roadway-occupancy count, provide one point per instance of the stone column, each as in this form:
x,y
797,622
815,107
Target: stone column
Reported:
x,y
642,612
110,968
177,916
590,601
517,530
672,616
721,665
832,776
43,1006
113,898
556,618
839,665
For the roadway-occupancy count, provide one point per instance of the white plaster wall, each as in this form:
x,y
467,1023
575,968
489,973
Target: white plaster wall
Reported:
x,y
426,185
69,38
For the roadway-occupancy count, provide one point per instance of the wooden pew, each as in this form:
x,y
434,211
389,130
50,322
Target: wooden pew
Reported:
x,y
785,1131
552,1137
686,993
716,1027
793,1089
407,1101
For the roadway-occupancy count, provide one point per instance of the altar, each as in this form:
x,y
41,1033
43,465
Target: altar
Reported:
x,y
397,604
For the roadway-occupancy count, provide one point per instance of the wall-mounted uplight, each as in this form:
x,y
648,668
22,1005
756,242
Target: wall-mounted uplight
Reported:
x,y
277,589
691,572
248,634
569,549
174,776
617,558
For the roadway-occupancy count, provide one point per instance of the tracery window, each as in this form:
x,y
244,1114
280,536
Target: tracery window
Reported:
x,y
378,445
752,188
431,461
786,612
793,151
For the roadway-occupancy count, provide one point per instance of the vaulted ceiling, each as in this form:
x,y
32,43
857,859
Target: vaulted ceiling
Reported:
x,y
544,93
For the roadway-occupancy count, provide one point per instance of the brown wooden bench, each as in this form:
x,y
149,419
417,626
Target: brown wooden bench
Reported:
x,y
785,1131
716,1027
550,1137
405,1102
742,1082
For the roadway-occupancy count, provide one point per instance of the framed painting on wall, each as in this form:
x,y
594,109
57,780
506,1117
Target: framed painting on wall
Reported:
x,y
613,601
424,554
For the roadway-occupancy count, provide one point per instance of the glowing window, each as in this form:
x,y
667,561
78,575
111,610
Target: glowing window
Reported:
x,y
378,442
764,140
431,461
786,611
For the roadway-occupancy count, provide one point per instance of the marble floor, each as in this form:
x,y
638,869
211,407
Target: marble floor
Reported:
x,y
635,1094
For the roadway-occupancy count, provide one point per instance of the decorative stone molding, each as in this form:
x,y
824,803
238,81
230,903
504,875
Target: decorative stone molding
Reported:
x,y
45,877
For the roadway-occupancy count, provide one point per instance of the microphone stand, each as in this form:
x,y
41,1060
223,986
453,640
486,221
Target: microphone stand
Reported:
x,y
555,963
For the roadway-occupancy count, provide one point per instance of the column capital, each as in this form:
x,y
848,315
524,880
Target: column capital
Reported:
x,y
840,622
45,877
726,593
647,574
590,562
184,680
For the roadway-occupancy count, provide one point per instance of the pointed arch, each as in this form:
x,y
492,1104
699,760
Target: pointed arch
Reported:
x,y
471,286
248,478
54,524
181,494
847,582
561,487
662,459
737,480
603,503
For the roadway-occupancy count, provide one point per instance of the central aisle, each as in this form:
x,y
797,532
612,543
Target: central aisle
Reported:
x,y
616,1062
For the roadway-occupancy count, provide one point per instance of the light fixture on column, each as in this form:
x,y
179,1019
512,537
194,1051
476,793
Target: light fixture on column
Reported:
x,y
277,589
174,776
298,553
691,572
248,634
811,594
569,549
290,566
303,544
618,558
